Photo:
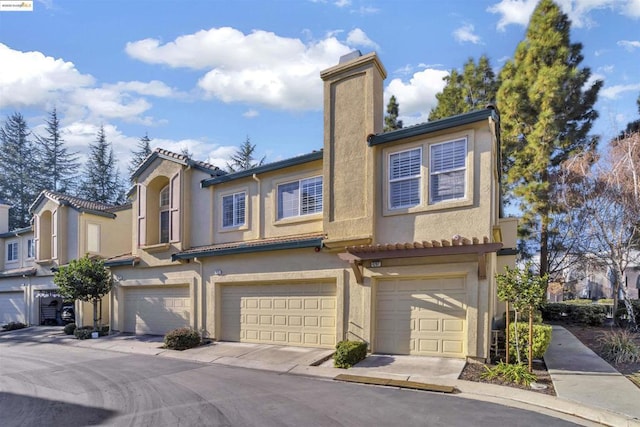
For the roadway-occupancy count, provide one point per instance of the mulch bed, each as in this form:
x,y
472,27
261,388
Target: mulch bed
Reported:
x,y
588,335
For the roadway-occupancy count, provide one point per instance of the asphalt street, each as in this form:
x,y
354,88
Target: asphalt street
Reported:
x,y
54,385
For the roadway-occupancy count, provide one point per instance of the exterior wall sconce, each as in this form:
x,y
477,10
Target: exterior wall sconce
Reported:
x,y
376,263
217,272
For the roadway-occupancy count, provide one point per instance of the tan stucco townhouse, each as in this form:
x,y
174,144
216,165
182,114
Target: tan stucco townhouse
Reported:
x,y
64,228
392,238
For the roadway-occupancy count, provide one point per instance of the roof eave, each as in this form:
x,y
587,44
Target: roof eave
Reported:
x,y
430,127
276,246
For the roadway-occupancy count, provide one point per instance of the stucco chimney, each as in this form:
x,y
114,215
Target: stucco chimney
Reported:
x,y
353,109
4,216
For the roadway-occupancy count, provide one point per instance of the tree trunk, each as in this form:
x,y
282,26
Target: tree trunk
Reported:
x,y
506,333
95,314
544,244
530,338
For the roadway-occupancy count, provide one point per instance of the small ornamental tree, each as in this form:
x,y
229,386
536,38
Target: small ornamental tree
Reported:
x,y
524,291
85,279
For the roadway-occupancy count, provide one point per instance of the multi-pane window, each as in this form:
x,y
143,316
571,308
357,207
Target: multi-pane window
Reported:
x,y
12,251
447,170
164,215
31,248
404,178
303,197
233,210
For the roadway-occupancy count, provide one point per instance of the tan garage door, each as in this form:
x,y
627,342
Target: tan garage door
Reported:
x,y
302,314
421,317
156,310
12,307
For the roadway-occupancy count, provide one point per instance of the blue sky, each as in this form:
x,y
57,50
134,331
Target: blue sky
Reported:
x,y
204,75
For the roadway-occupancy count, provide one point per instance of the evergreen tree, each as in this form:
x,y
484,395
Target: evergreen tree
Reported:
x,y
59,166
391,121
102,180
632,127
140,153
18,169
472,90
243,158
547,112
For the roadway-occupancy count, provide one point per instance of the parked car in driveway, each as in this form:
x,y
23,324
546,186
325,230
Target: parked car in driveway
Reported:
x,y
68,313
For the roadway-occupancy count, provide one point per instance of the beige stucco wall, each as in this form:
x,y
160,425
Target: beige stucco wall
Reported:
x,y
262,206
114,233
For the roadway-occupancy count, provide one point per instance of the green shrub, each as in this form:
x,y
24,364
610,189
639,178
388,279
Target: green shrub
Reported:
x,y
348,353
69,328
523,316
182,339
621,312
619,347
83,333
582,313
517,373
12,326
541,339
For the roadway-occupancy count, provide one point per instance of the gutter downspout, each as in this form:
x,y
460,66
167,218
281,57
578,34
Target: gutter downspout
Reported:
x,y
259,207
203,296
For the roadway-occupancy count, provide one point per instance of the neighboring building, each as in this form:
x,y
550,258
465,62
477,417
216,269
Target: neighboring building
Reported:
x,y
64,228
391,238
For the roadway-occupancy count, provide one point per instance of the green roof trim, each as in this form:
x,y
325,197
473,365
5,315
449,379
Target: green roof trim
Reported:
x,y
293,161
434,126
244,248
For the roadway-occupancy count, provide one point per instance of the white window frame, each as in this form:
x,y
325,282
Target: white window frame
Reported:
x,y
238,209
164,209
13,255
405,178
31,248
458,166
302,208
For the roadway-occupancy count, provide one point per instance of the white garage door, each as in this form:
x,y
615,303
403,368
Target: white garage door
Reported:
x,y
292,314
423,317
156,310
12,307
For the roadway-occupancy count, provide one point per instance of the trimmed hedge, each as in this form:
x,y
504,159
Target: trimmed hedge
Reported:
x,y
621,312
182,339
70,328
586,314
83,333
541,339
348,353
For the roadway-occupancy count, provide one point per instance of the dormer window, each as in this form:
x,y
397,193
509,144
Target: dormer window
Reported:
x,y
165,205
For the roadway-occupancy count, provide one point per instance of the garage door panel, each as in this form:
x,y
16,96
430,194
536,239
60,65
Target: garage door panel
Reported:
x,y
156,310
12,307
421,317
295,314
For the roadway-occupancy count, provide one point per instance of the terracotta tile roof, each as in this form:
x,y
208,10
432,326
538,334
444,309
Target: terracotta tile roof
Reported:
x,y
178,158
78,203
288,242
443,243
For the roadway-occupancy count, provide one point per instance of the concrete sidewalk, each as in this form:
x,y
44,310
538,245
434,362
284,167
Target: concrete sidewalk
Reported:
x,y
586,386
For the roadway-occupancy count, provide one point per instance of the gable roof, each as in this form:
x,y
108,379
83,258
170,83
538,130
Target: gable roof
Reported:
x,y
160,153
82,205
293,161
434,126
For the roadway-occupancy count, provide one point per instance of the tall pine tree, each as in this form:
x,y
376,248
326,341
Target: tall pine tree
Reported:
x,y
243,158
391,121
472,90
102,180
59,166
546,108
140,153
18,170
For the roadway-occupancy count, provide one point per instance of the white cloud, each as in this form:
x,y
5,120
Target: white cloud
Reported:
x,y
251,113
632,8
343,3
357,37
629,45
416,97
613,92
153,88
366,10
33,79
513,12
110,104
250,67
465,34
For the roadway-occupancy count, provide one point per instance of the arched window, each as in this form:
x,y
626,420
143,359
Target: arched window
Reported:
x,y
165,203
